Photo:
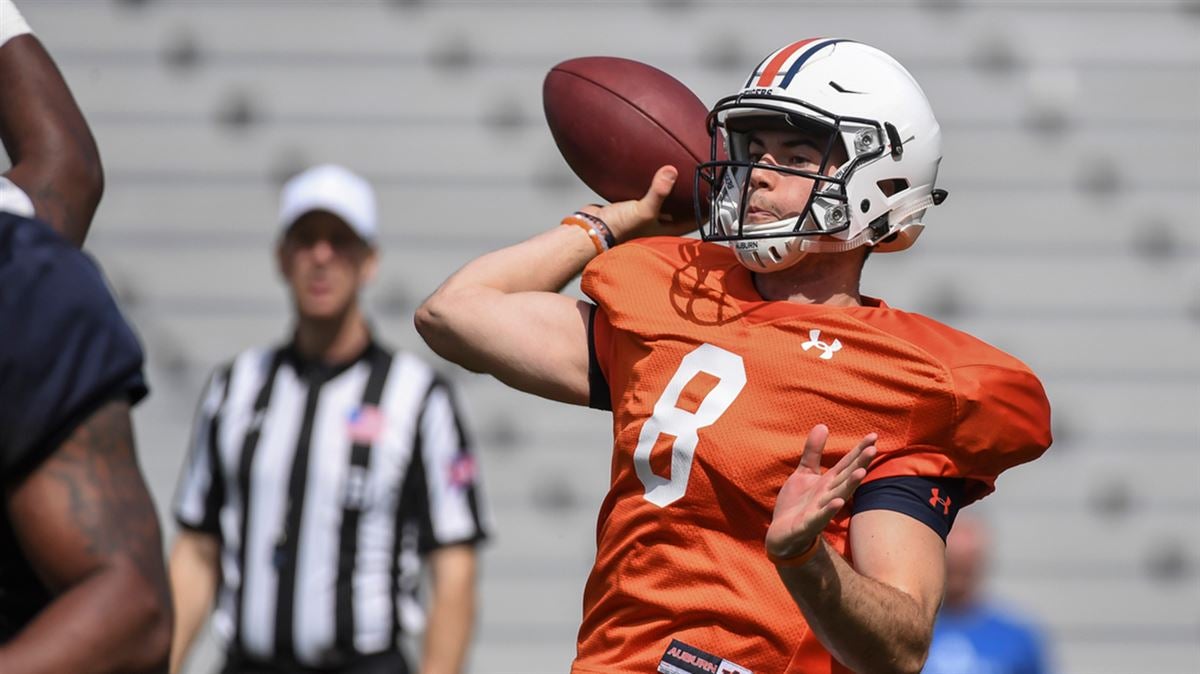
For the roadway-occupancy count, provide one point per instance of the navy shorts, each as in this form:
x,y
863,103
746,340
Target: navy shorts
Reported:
x,y
65,349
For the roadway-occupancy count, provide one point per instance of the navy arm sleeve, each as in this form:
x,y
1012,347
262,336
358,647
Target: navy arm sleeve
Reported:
x,y
934,501
598,396
65,349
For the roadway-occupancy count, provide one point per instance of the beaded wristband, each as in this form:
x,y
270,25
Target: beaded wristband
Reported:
x,y
601,227
797,560
597,238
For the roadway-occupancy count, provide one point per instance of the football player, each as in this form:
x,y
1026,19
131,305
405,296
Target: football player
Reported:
x,y
789,454
82,581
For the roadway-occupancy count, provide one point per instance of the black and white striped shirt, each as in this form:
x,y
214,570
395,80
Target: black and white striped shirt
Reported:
x,y
309,475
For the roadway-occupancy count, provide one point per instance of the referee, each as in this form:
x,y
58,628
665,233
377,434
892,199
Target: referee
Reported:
x,y
320,470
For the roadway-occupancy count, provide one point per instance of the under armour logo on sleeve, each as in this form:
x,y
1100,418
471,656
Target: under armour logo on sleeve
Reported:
x,y
934,501
827,350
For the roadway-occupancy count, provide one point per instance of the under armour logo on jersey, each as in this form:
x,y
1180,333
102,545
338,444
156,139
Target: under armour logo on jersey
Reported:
x,y
827,350
935,501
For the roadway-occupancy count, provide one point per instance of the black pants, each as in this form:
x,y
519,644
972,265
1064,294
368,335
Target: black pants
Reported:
x,y
391,662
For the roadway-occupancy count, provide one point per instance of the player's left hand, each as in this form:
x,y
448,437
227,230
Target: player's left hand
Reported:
x,y
809,499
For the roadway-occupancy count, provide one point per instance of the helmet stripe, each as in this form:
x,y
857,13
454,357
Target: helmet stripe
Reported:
x,y
779,59
754,73
799,63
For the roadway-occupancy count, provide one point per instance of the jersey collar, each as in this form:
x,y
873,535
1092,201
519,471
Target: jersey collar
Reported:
x,y
315,370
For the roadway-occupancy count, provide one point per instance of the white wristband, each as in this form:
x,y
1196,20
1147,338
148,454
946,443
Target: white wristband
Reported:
x,y
12,24
14,200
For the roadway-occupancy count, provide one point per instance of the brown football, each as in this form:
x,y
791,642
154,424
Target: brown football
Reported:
x,y
616,121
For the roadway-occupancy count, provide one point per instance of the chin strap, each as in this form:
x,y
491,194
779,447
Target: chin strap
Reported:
x,y
904,212
809,244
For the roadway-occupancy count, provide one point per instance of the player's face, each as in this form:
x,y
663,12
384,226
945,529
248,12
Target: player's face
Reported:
x,y
325,264
775,195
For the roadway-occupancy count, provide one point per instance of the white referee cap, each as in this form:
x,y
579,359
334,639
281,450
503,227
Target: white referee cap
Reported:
x,y
331,188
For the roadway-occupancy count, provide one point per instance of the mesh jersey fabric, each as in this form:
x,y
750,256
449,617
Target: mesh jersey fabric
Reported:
x,y
677,319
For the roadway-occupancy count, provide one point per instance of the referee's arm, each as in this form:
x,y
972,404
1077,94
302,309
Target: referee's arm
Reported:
x,y
194,557
455,526
452,610
195,554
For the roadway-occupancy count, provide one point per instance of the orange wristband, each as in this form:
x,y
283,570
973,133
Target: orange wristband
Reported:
x,y
576,221
601,227
799,559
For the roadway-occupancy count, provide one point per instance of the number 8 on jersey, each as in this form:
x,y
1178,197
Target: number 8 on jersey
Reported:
x,y
684,426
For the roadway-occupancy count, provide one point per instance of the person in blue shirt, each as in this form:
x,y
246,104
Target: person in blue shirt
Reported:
x,y
83,587
974,635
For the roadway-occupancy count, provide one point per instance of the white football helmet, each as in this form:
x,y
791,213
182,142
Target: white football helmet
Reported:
x,y
869,104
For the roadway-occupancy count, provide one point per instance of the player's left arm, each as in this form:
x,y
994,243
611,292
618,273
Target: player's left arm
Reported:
x,y
451,610
875,616
86,523
53,154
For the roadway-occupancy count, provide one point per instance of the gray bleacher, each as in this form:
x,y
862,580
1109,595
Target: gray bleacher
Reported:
x,y
1073,161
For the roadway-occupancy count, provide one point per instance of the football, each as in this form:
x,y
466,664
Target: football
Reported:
x,y
616,121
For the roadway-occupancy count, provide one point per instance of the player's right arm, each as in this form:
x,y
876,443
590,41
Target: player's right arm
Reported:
x,y
502,313
194,559
53,155
86,523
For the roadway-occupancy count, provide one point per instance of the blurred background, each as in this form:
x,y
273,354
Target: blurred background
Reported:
x,y
1072,131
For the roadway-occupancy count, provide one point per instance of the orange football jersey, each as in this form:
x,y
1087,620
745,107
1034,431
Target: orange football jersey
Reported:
x,y
713,392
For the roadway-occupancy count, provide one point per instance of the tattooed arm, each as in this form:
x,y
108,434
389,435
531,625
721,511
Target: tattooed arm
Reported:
x,y
54,157
86,523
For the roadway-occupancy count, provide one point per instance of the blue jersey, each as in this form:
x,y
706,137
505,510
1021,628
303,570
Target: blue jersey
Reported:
x,y
984,640
65,350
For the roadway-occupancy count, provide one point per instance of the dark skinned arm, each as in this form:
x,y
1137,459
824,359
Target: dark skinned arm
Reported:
x,y
86,523
53,155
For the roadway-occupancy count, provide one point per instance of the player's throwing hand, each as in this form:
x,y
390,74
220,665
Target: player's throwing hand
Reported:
x,y
644,217
809,499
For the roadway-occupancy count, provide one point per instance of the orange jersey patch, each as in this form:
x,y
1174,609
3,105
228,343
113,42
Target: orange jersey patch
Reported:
x,y
714,391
